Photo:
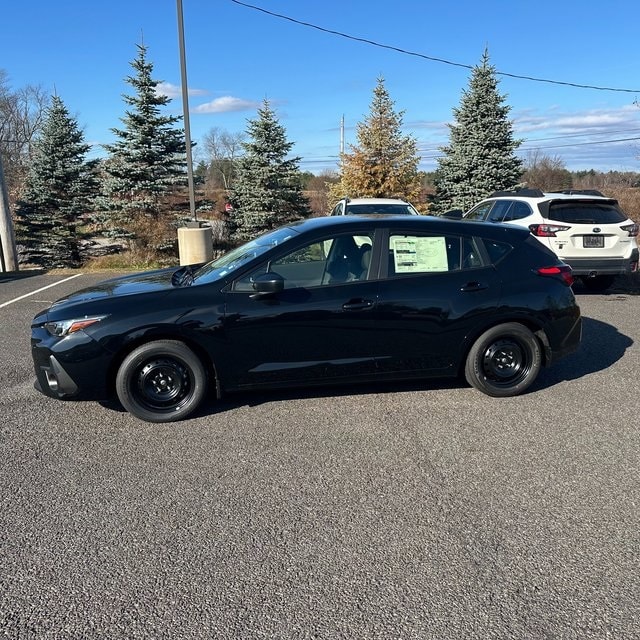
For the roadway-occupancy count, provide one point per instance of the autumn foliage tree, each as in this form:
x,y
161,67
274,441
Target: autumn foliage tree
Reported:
x,y
384,163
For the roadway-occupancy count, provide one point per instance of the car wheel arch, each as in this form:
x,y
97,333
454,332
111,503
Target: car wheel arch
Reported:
x,y
132,343
535,328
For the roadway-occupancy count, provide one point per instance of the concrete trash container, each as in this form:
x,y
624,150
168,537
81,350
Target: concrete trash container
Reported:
x,y
195,244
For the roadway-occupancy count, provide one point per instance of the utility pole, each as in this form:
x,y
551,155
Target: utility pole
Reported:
x,y
8,251
185,110
342,135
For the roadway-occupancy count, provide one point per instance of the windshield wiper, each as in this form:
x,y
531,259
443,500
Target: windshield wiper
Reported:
x,y
183,277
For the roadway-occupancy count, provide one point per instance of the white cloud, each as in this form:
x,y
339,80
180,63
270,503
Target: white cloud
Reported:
x,y
173,91
226,104
583,122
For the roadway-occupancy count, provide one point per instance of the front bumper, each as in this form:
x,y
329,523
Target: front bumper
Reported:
x,y
53,380
75,366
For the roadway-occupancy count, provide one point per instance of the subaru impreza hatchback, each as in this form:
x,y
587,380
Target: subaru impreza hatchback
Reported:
x,y
326,300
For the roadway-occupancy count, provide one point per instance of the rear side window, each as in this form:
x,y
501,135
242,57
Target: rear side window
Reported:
x,y
409,254
585,213
479,212
517,211
499,210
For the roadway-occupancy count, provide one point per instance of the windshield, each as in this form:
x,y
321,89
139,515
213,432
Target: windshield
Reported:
x,y
241,255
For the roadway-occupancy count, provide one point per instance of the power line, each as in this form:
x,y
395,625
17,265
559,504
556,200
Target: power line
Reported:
x,y
426,57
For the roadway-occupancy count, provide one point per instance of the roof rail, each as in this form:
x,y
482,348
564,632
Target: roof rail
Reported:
x,y
582,192
527,193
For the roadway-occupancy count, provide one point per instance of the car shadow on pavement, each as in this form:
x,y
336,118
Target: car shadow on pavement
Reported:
x,y
626,284
602,345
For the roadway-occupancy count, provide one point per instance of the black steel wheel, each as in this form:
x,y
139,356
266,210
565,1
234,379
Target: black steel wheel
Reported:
x,y
161,381
504,361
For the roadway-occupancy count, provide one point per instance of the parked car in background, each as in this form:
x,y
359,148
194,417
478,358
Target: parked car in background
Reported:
x,y
363,206
586,230
325,300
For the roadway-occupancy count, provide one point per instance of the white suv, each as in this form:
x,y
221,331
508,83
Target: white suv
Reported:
x,y
359,206
583,228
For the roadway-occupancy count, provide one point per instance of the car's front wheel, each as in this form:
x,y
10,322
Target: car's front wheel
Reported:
x,y
161,381
504,360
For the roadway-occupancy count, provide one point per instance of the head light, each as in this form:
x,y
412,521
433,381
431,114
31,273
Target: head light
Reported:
x,y
62,328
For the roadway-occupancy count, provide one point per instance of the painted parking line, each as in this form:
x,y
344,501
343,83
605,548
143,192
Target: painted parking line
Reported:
x,y
33,293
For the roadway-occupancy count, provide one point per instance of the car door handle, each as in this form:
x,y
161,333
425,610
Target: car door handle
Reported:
x,y
474,286
354,305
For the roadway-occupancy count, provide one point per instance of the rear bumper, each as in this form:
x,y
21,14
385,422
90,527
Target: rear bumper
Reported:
x,y
603,266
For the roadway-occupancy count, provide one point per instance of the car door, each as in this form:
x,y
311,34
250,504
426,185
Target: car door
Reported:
x,y
437,288
319,327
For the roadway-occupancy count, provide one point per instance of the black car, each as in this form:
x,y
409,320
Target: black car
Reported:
x,y
326,300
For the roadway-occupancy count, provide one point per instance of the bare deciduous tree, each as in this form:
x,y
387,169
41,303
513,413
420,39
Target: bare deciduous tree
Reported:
x,y
222,149
547,173
21,116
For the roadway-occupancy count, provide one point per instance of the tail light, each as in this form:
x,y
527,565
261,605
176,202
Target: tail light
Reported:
x,y
562,271
631,229
546,230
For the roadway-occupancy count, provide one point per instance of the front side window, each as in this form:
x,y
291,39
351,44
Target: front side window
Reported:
x,y
334,260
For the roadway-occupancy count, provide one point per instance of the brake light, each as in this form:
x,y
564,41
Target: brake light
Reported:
x,y
546,230
562,271
631,229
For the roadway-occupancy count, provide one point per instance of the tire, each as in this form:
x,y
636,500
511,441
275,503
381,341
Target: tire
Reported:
x,y
161,381
504,360
598,283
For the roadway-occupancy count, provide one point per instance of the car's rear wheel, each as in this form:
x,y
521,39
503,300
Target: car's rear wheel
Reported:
x,y
504,360
161,381
598,283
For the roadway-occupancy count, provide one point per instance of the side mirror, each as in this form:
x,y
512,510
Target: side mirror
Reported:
x,y
269,282
454,214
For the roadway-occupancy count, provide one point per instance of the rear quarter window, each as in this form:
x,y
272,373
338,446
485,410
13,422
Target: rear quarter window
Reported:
x,y
586,213
496,250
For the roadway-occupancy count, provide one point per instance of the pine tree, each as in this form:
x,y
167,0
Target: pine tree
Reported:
x,y
267,189
384,163
480,156
59,188
145,163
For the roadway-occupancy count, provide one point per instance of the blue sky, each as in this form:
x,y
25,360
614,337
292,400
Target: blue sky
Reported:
x,y
237,56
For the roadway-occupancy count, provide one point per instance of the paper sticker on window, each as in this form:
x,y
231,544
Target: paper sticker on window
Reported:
x,y
414,254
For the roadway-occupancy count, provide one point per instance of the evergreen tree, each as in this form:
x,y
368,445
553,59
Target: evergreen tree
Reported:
x,y
145,163
384,163
267,190
480,156
58,189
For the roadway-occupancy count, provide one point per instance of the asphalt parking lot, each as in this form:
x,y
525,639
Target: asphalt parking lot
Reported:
x,y
399,511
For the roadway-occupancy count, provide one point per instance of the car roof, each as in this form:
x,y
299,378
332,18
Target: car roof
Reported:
x,y
410,223
551,195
